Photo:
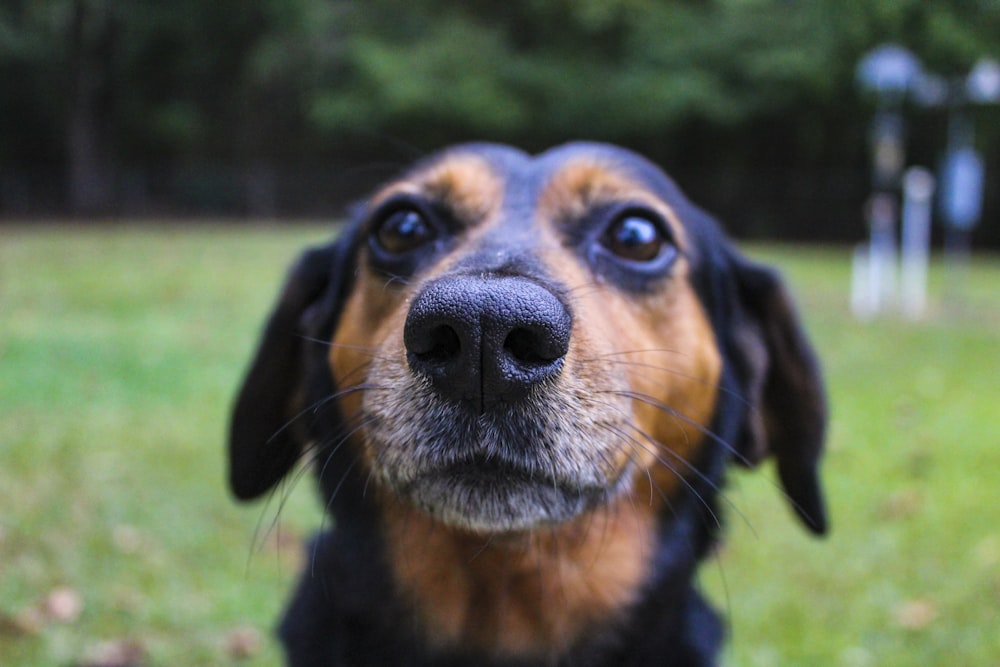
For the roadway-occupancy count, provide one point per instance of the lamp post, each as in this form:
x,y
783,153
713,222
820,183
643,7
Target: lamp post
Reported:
x,y
891,72
963,171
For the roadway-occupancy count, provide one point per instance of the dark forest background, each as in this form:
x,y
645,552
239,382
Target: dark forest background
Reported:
x,y
292,108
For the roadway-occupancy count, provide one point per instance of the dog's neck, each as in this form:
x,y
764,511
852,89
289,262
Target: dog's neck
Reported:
x,y
524,595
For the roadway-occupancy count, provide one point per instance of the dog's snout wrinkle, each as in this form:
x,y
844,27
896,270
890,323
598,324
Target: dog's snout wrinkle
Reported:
x,y
486,341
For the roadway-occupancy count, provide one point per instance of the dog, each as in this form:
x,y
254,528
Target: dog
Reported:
x,y
520,381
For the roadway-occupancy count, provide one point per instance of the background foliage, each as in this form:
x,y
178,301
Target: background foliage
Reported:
x,y
267,107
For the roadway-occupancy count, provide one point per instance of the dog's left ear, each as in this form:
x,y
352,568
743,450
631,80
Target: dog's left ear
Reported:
x,y
781,380
265,438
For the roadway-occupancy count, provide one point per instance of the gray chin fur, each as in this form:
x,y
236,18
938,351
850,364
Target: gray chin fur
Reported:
x,y
493,502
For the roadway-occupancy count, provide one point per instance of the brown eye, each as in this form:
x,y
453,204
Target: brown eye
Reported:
x,y
403,231
634,237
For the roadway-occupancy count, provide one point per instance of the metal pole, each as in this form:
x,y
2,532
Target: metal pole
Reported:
x,y
918,191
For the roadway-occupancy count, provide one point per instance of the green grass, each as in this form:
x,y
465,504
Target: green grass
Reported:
x,y
120,348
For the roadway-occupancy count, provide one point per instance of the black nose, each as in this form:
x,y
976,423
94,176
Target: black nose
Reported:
x,y
486,341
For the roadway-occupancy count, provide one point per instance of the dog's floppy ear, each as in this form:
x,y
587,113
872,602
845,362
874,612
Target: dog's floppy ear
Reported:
x,y
781,380
265,439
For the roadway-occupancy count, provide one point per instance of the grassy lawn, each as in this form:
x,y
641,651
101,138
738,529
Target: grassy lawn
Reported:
x,y
120,348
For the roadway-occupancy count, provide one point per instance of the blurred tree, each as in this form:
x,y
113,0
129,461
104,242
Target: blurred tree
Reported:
x,y
731,86
34,79
92,34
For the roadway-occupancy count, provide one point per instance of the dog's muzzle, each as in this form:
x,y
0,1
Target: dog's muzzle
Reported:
x,y
487,448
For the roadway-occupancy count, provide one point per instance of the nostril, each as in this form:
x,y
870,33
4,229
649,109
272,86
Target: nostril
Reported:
x,y
528,348
439,345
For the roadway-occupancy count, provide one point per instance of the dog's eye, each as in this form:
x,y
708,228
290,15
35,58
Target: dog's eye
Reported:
x,y
635,237
403,230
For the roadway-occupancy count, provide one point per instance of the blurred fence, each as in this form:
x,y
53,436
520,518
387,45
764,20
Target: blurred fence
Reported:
x,y
820,205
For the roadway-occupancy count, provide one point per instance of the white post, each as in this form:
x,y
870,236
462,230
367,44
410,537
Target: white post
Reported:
x,y
862,301
918,189
882,252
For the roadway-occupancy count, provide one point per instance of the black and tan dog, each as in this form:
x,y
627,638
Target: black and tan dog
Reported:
x,y
519,380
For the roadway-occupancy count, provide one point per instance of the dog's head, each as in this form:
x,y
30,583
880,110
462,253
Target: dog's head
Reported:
x,y
505,342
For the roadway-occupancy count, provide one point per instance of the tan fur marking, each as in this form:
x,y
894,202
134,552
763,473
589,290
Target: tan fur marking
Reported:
x,y
675,368
463,182
371,315
662,349
527,594
583,184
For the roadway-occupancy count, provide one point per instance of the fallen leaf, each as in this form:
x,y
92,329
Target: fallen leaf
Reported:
x,y
916,614
22,624
243,643
288,544
115,653
63,605
902,505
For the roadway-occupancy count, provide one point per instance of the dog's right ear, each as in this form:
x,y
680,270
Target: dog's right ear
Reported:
x,y
783,386
265,439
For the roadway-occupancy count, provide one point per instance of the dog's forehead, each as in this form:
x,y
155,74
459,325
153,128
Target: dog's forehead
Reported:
x,y
475,180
